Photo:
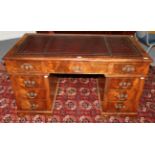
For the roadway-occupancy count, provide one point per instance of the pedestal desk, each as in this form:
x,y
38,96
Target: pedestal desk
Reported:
x,y
36,58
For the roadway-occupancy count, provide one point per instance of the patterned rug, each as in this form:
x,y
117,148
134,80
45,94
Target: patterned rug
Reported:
x,y
77,101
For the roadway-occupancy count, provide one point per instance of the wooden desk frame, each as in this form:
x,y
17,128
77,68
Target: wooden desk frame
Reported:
x,y
31,80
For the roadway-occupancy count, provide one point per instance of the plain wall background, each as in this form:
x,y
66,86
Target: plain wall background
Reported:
x,y
5,35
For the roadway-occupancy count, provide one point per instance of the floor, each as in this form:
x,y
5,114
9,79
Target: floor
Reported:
x,y
151,53
77,100
5,46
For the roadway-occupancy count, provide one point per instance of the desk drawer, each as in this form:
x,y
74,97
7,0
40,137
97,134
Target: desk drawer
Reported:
x,y
31,104
23,66
75,67
25,81
127,68
121,95
123,83
32,93
120,107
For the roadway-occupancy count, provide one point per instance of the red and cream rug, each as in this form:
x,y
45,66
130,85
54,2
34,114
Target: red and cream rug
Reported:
x,y
76,101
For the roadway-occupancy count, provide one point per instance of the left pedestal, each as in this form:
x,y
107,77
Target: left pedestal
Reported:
x,y
34,93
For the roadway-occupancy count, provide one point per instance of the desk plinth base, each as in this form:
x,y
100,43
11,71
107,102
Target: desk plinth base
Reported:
x,y
106,116
23,113
119,114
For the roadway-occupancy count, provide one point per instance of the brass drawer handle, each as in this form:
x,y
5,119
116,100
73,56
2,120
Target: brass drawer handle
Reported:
x,y
33,106
76,69
29,83
31,95
26,66
122,96
124,84
119,106
128,69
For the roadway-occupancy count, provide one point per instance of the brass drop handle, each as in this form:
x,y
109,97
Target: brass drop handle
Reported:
x,y
29,83
124,84
128,69
76,69
26,66
33,106
31,95
122,96
119,106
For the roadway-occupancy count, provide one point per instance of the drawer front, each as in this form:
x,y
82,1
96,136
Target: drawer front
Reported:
x,y
123,83
121,95
135,68
31,104
32,93
75,67
23,66
23,81
120,107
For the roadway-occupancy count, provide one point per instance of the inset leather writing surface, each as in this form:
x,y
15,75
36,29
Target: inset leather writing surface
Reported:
x,y
77,45
122,46
33,45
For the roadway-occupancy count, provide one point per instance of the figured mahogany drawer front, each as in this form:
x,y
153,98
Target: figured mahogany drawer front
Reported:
x,y
130,68
31,104
23,81
75,67
32,93
123,83
121,95
120,107
24,66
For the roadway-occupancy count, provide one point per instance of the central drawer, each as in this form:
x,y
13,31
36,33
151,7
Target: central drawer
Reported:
x,y
76,67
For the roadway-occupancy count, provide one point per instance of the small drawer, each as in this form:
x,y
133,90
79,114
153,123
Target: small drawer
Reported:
x,y
23,81
31,104
136,68
120,107
32,93
23,66
29,66
123,83
121,95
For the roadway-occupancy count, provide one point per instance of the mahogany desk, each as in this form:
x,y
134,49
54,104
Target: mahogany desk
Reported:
x,y
36,58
